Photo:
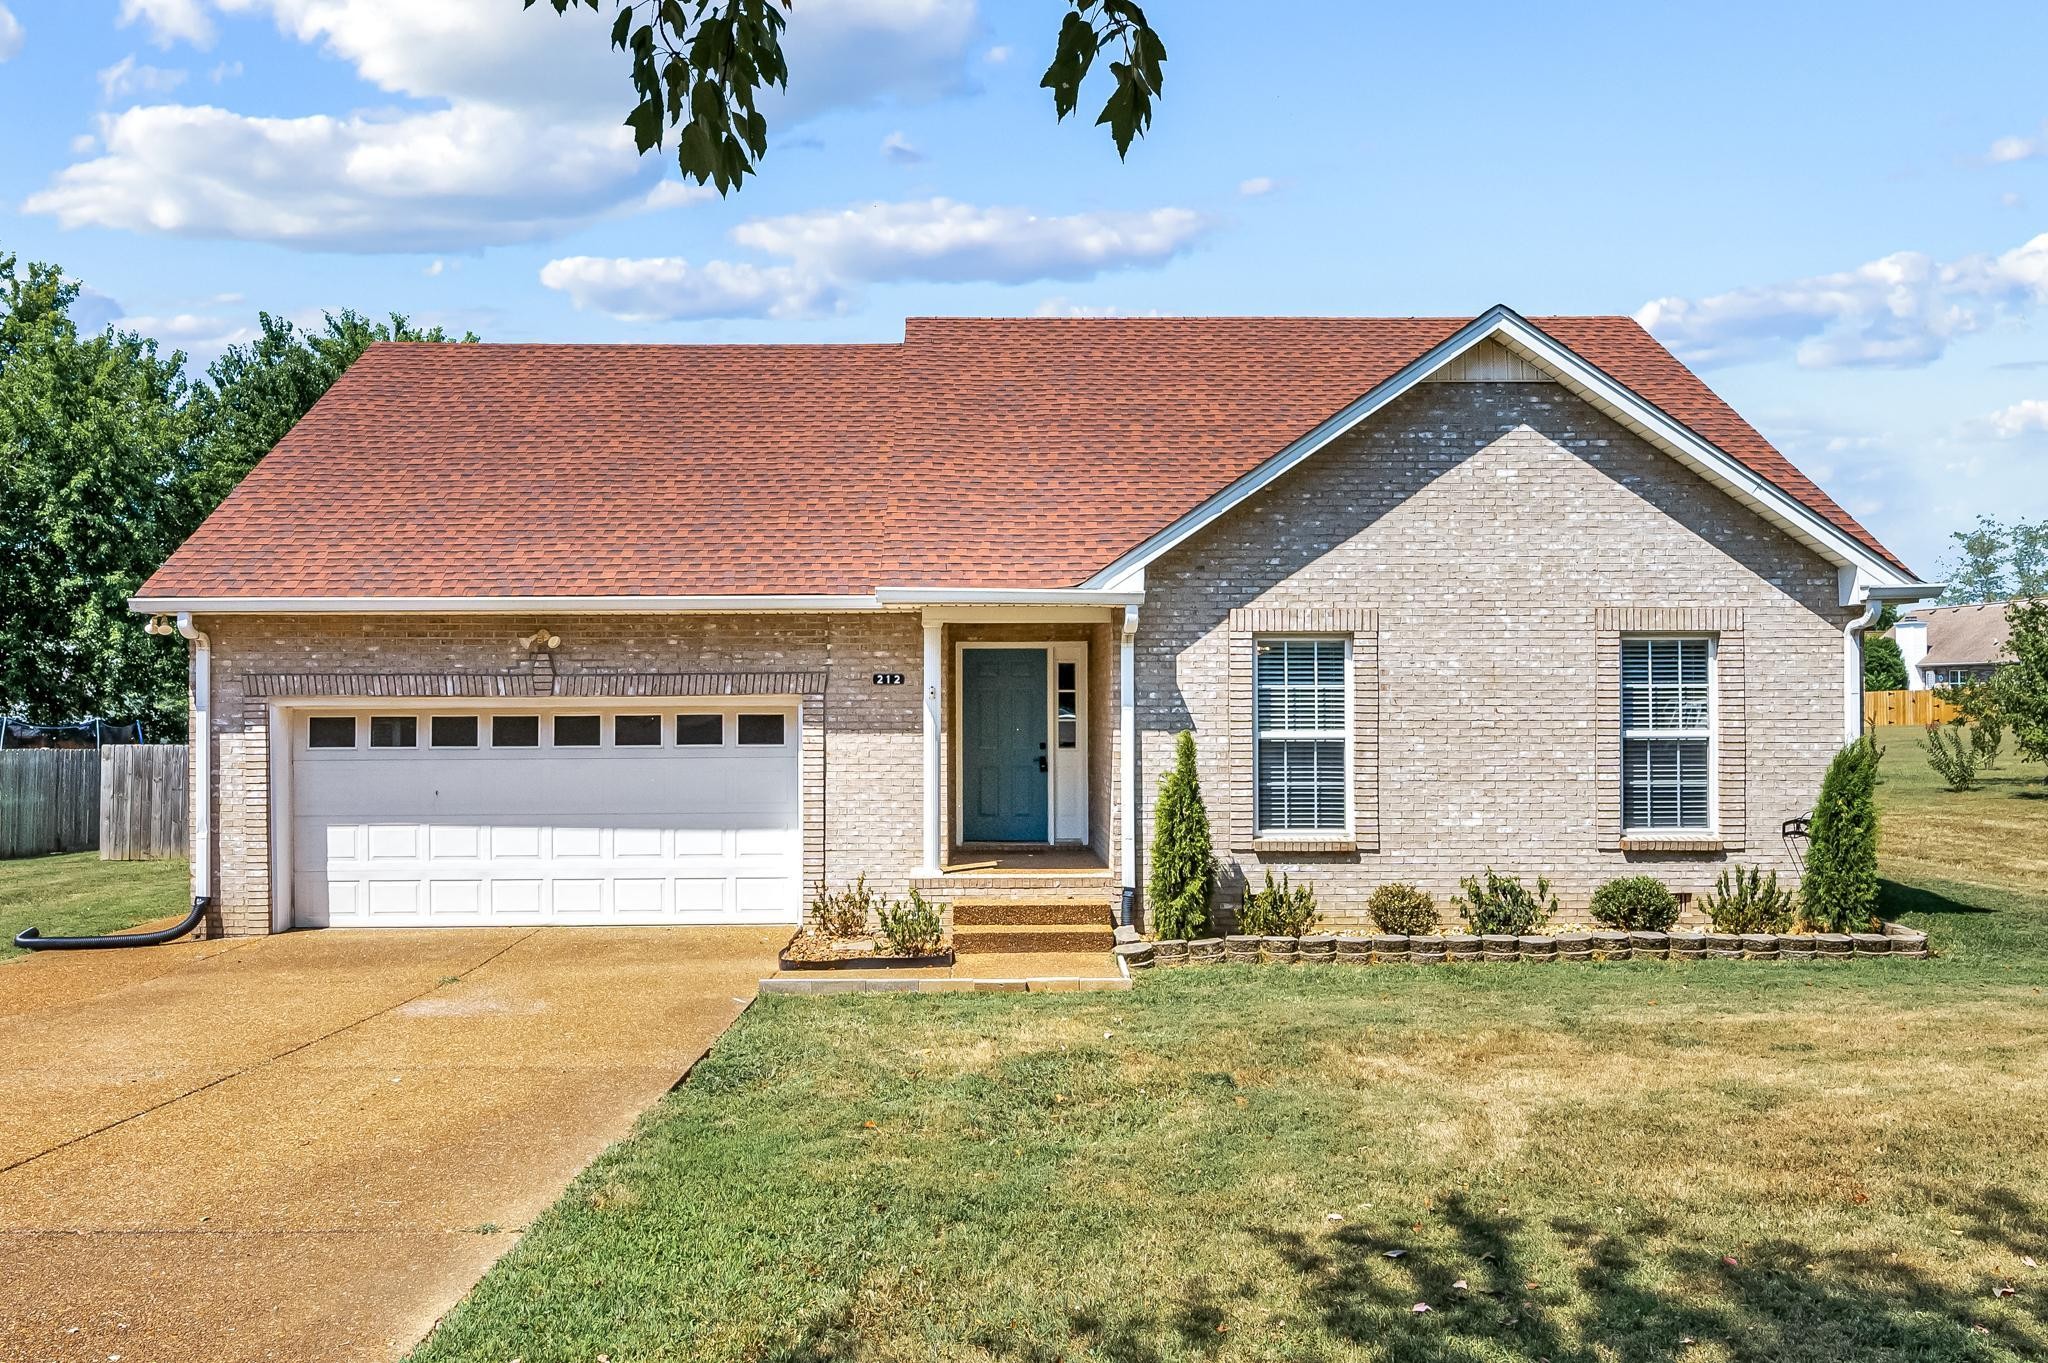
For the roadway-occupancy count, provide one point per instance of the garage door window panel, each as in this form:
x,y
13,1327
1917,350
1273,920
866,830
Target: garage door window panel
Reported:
x,y
394,731
578,731
700,731
515,731
761,731
331,731
637,731
453,731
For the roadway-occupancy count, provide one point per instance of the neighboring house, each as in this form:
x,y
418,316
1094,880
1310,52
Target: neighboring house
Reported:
x,y
625,634
1951,645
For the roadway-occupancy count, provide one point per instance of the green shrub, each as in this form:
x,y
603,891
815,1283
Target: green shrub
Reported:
x,y
1281,910
1504,904
1183,862
912,928
1402,910
1987,737
1884,667
1635,904
847,912
1953,756
1840,889
1749,901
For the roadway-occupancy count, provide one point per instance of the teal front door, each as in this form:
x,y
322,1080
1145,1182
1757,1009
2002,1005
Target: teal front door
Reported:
x,y
1002,745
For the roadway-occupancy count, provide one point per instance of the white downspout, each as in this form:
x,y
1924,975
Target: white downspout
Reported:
x,y
1127,698
201,738
1852,669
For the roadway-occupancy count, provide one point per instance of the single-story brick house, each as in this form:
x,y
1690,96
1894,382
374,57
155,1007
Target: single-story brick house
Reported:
x,y
598,634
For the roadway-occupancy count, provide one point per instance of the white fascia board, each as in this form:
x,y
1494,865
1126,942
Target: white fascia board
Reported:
x,y
1008,596
492,605
1501,323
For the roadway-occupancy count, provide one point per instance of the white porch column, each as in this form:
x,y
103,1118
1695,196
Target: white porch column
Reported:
x,y
1127,699
934,659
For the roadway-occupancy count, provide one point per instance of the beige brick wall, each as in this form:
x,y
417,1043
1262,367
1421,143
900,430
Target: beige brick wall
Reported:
x,y
862,745
1485,525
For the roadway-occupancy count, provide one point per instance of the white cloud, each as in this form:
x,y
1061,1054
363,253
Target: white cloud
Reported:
x,y
669,288
1060,306
1900,310
899,150
2026,417
996,55
434,268
224,71
1257,185
2009,149
676,194
128,77
2009,199
452,179
523,139
83,143
12,34
200,335
944,241
170,21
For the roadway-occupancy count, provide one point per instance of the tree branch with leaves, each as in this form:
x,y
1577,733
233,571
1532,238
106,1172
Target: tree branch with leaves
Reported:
x,y
701,66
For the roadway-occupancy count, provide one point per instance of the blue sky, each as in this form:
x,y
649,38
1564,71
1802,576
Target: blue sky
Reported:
x,y
1837,213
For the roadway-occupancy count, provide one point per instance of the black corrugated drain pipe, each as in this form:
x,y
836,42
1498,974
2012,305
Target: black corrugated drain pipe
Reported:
x,y
29,939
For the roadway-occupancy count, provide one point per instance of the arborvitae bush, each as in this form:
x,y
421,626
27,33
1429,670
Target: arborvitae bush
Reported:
x,y
1183,861
1635,904
1839,893
1748,901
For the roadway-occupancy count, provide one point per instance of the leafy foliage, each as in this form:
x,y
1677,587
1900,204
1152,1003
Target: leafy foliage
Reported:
x,y
1987,739
847,912
1402,909
1748,900
113,457
911,928
1636,904
1997,561
1183,861
700,66
1952,755
2016,695
1884,667
1280,910
1497,903
1840,889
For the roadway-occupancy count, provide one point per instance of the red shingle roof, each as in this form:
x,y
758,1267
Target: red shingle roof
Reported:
x,y
979,453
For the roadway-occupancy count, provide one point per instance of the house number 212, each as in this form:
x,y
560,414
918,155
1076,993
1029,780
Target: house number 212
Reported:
x,y
888,679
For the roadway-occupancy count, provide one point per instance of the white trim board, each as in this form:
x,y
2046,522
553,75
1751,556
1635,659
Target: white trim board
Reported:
x,y
1503,325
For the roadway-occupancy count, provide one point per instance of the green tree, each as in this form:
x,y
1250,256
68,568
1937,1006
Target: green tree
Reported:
x,y
1884,667
1997,561
701,65
1839,893
2015,697
97,440
1183,862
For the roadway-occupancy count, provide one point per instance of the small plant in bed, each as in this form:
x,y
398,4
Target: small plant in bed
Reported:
x,y
1635,904
1747,900
857,927
1503,904
1402,910
1280,910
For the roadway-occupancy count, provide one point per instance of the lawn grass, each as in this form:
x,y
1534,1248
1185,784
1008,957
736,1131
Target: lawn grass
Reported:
x,y
1709,1162
75,893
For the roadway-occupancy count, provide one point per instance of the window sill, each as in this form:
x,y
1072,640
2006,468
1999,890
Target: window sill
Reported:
x,y
1672,842
1328,843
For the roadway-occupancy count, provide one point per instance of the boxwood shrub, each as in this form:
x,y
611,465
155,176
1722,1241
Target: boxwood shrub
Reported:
x,y
1636,904
1402,910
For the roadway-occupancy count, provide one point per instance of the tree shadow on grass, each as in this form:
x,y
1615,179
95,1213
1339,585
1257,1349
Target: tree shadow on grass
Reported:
x,y
1895,899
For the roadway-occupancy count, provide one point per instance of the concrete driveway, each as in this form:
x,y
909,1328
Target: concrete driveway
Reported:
x,y
308,1147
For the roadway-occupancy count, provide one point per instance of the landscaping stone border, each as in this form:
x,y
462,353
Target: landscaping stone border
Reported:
x,y
1604,945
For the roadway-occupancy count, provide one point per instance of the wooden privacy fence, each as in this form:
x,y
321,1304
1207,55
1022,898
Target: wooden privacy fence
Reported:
x,y
1906,707
128,801
49,801
142,801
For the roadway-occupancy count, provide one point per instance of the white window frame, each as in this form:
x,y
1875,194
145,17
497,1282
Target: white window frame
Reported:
x,y
1345,734
1712,734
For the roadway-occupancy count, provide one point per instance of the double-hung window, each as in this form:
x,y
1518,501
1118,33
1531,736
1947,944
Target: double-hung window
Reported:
x,y
1301,718
1667,733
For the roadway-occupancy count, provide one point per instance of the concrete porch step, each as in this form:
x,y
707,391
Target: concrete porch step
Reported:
x,y
1007,938
991,885
1042,910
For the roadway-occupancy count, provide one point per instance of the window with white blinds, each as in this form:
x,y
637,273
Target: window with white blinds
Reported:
x,y
1667,740
1302,726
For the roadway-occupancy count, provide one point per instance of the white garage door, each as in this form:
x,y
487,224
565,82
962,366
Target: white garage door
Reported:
x,y
566,815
